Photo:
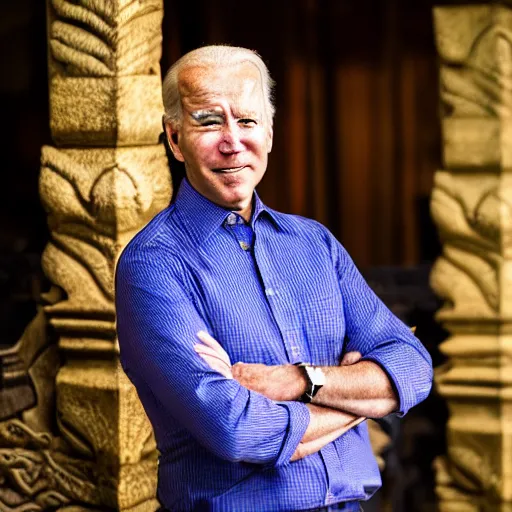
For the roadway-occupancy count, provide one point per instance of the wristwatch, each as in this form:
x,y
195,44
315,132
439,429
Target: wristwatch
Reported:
x,y
315,379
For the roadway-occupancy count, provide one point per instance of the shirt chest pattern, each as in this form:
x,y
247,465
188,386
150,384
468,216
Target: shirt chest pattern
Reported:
x,y
277,303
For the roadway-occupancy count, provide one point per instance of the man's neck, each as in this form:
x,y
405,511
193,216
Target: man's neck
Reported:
x,y
245,213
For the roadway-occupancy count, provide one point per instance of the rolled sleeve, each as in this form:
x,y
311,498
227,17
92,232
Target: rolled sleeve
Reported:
x,y
410,373
374,331
299,418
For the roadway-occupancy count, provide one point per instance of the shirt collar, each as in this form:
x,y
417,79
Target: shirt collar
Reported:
x,y
259,209
202,217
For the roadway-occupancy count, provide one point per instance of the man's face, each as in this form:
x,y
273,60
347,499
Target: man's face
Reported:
x,y
224,138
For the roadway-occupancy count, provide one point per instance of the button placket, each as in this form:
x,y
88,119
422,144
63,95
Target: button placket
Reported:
x,y
284,316
293,347
241,231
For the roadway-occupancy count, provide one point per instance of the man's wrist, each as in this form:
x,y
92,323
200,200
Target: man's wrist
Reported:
x,y
300,382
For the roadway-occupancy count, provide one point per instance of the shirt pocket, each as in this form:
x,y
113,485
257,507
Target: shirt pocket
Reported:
x,y
323,327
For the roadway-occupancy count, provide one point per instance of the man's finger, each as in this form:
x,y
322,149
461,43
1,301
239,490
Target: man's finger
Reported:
x,y
210,341
207,352
217,365
205,349
351,358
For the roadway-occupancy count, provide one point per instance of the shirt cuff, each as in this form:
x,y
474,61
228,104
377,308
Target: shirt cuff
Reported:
x,y
410,374
298,422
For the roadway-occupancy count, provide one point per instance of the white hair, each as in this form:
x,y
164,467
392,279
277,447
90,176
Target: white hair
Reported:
x,y
221,55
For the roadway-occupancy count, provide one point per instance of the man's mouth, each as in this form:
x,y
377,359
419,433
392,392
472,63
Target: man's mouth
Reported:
x,y
229,170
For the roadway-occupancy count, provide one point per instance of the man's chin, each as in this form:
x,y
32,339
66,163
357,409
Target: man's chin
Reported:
x,y
238,195
237,206
232,194
237,203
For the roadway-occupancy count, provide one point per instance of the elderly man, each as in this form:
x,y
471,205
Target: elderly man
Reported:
x,y
219,278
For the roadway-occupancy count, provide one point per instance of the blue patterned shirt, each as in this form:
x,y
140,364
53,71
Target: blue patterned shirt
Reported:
x,y
276,291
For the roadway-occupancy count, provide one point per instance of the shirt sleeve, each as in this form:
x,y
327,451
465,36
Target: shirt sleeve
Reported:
x,y
374,331
157,323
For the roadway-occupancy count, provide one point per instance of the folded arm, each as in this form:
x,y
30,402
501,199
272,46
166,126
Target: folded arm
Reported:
x,y
391,377
326,424
393,374
360,389
157,325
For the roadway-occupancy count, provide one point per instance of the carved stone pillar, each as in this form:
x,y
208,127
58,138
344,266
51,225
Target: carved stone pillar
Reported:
x,y
472,206
103,180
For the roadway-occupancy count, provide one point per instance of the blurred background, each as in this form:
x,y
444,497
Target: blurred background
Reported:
x,y
356,144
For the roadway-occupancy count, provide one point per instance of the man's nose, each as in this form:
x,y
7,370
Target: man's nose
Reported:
x,y
231,141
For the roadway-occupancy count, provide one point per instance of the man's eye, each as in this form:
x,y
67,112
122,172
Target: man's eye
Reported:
x,y
247,121
211,121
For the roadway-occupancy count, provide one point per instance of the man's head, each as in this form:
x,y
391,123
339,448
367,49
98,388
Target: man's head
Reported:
x,y
218,119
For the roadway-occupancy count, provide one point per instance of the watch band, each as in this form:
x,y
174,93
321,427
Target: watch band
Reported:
x,y
315,379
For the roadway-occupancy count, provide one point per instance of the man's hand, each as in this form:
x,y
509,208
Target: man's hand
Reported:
x,y
308,448
350,358
213,353
281,383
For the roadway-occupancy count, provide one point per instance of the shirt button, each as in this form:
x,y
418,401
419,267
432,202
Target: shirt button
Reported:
x,y
269,292
231,220
330,498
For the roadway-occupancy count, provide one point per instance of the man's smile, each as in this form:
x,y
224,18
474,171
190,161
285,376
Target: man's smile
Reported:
x,y
229,170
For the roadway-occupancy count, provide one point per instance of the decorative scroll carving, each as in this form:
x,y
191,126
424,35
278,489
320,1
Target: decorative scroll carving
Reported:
x,y
49,479
105,38
96,200
470,212
43,480
29,370
472,207
104,72
476,85
483,86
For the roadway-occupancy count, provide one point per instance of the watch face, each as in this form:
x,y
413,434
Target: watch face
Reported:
x,y
316,379
315,375
319,377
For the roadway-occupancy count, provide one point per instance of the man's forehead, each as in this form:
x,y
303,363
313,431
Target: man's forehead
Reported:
x,y
212,80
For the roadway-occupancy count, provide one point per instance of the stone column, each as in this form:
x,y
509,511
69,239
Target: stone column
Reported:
x,y
104,178
472,206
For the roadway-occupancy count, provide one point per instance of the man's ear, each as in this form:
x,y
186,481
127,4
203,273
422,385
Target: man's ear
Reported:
x,y
173,140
